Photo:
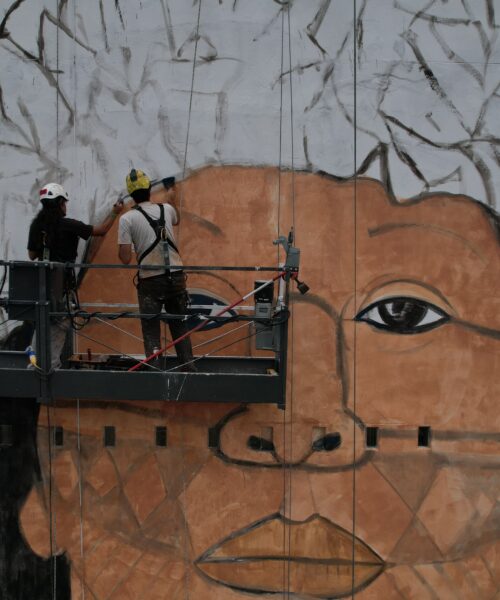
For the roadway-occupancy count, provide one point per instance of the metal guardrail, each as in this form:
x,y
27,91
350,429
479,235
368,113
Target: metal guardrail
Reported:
x,y
36,294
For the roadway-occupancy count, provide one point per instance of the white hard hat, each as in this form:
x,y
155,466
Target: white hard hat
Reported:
x,y
50,191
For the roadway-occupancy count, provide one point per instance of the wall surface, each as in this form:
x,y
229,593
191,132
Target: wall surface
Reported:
x,y
370,127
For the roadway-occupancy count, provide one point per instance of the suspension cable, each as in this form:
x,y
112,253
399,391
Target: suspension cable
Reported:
x,y
291,351
280,168
183,462
354,421
52,527
80,497
186,145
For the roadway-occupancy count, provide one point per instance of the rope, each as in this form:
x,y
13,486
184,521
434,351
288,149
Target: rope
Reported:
x,y
280,167
183,465
129,333
291,352
52,527
80,497
208,354
115,350
190,105
355,60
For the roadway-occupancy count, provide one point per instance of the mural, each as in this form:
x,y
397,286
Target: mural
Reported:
x,y
314,512
368,126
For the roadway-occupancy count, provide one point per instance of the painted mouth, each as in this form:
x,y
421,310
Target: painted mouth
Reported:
x,y
315,557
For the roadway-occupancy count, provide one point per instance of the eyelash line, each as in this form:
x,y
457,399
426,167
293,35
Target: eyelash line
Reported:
x,y
400,329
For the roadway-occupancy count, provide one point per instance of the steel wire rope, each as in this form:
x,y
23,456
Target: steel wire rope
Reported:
x,y
116,350
291,352
52,526
223,347
355,275
78,440
211,353
285,488
183,462
211,341
53,517
80,497
278,251
120,329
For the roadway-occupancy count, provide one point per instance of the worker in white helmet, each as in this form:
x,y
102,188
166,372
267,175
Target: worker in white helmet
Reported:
x,y
53,236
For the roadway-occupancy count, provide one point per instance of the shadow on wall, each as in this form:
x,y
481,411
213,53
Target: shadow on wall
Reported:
x,y
23,574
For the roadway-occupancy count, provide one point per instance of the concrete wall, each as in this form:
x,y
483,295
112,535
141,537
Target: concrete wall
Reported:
x,y
400,330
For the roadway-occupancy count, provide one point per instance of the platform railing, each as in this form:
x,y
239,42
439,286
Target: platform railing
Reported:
x,y
36,294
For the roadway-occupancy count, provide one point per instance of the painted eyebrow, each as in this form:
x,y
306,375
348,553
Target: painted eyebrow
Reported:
x,y
389,227
416,282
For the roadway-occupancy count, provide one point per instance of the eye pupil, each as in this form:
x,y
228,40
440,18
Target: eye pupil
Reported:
x,y
402,313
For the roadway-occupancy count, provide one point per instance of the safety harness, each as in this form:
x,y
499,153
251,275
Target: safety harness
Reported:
x,y
161,234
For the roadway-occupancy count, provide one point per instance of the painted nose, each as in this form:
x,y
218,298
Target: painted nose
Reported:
x,y
318,428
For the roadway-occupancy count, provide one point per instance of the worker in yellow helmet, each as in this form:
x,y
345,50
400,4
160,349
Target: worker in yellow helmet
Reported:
x,y
149,230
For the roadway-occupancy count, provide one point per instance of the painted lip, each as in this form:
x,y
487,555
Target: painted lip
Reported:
x,y
324,561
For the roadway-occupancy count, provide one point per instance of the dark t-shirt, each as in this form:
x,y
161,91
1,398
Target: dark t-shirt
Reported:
x,y
65,246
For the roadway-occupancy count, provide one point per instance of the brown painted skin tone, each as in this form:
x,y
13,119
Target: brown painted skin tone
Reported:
x,y
159,521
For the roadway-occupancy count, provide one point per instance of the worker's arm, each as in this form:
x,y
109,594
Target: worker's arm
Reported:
x,y
175,205
105,226
171,198
125,253
32,254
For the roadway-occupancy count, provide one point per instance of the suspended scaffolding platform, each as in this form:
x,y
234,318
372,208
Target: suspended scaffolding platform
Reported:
x,y
219,379
35,294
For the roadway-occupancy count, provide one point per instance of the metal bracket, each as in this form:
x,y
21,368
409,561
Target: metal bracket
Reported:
x,y
292,253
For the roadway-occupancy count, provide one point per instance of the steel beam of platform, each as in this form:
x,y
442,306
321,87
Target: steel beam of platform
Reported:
x,y
230,380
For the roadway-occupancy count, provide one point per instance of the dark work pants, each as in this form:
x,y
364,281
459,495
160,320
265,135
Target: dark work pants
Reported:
x,y
169,292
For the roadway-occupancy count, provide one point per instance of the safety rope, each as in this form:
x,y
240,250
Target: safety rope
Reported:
x,y
52,517
181,197
280,168
291,347
354,420
80,498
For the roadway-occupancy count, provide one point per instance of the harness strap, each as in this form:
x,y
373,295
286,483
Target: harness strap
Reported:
x,y
158,226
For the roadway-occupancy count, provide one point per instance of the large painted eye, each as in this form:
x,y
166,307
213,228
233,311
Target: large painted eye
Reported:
x,y
403,315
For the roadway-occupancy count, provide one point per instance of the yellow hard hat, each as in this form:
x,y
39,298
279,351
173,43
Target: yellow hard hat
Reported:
x,y
137,180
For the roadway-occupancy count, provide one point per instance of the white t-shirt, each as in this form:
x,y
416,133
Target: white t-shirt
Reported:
x,y
134,229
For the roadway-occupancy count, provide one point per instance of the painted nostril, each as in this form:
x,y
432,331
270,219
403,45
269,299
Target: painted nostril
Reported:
x,y
260,444
327,443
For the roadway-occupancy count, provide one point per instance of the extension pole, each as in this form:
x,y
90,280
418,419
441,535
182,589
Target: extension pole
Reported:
x,y
203,323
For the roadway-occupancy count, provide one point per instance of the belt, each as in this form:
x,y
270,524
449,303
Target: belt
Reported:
x,y
161,275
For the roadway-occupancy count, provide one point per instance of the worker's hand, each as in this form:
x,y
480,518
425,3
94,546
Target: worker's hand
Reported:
x,y
118,207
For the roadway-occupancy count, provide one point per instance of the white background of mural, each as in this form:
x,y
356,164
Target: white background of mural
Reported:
x,y
108,86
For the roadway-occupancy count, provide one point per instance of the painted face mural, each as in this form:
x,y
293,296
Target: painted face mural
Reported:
x,y
380,479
